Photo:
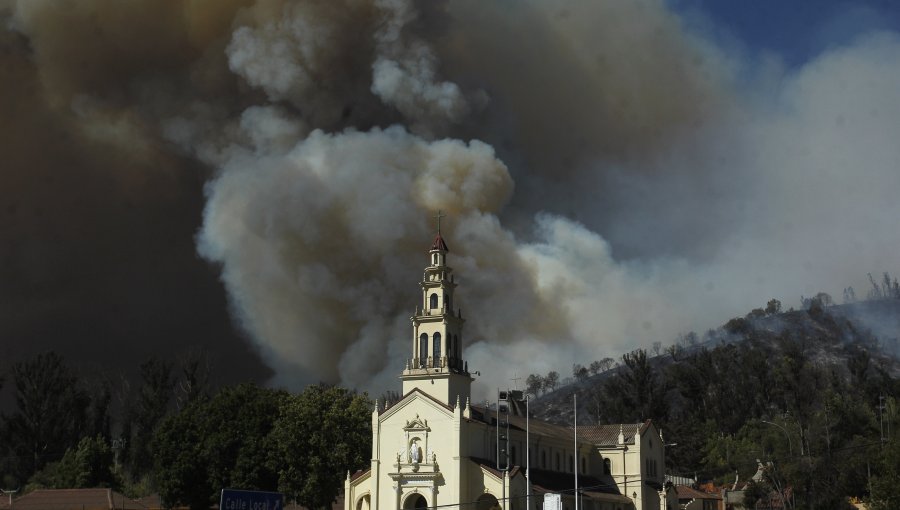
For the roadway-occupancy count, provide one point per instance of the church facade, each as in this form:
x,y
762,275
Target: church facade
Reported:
x,y
434,448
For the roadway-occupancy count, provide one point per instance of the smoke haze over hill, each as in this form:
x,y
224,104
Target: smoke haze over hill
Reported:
x,y
612,174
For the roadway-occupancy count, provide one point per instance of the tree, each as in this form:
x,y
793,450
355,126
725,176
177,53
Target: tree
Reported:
x,y
595,368
579,372
222,442
887,471
551,380
773,307
533,384
147,410
85,466
194,383
319,435
606,364
50,411
635,392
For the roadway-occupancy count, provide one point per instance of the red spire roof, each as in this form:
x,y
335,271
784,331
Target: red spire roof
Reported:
x,y
439,244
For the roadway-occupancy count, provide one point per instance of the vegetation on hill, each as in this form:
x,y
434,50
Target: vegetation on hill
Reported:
x,y
177,438
812,391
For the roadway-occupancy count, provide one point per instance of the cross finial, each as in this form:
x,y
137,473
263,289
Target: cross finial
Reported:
x,y
439,215
516,380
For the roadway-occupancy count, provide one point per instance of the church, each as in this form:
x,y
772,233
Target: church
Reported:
x,y
434,448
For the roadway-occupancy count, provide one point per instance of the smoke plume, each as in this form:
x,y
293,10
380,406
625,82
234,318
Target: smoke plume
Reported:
x,y
612,176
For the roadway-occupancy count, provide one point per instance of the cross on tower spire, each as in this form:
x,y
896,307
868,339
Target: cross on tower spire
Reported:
x,y
439,215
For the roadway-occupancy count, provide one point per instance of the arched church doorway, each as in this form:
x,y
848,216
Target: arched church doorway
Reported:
x,y
415,502
364,503
487,502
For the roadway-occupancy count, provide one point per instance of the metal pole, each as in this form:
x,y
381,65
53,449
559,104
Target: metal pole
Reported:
x,y
788,436
576,450
527,454
498,429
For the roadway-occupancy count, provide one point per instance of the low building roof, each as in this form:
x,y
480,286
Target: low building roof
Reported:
x,y
687,492
79,499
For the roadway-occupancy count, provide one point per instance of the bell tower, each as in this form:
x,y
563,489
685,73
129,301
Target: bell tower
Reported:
x,y
436,366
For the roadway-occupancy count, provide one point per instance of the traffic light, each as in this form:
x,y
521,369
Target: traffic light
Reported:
x,y
503,397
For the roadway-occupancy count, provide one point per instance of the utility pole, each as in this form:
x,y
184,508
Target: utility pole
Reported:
x,y
527,453
577,457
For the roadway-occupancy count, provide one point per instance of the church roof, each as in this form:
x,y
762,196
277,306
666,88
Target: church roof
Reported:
x,y
608,435
359,473
410,392
439,244
598,435
544,481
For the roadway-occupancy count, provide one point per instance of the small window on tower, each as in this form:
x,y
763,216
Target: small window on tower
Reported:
x,y
434,301
436,351
423,347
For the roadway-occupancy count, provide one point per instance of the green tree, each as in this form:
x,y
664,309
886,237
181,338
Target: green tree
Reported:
x,y
87,465
636,392
179,471
319,435
218,443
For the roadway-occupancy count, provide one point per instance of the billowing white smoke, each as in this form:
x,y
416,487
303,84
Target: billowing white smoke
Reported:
x,y
338,128
321,243
321,246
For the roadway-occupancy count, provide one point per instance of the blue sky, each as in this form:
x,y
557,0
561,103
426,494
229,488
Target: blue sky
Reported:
x,y
796,30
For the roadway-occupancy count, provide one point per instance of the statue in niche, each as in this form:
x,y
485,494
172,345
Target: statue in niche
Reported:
x,y
415,453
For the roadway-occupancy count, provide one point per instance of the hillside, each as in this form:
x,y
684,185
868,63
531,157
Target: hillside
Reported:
x,y
795,386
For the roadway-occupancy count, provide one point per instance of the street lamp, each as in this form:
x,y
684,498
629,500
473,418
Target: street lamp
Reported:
x,y
788,436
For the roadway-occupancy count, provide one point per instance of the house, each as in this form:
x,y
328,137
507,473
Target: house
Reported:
x,y
435,447
690,498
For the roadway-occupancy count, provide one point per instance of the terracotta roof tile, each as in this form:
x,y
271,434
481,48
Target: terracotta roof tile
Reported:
x,y
686,492
76,499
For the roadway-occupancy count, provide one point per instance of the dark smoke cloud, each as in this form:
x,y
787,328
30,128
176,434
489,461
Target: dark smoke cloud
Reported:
x,y
612,178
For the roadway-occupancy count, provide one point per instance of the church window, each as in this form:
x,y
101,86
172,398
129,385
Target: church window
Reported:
x,y
434,303
423,346
434,259
450,345
436,351
607,467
